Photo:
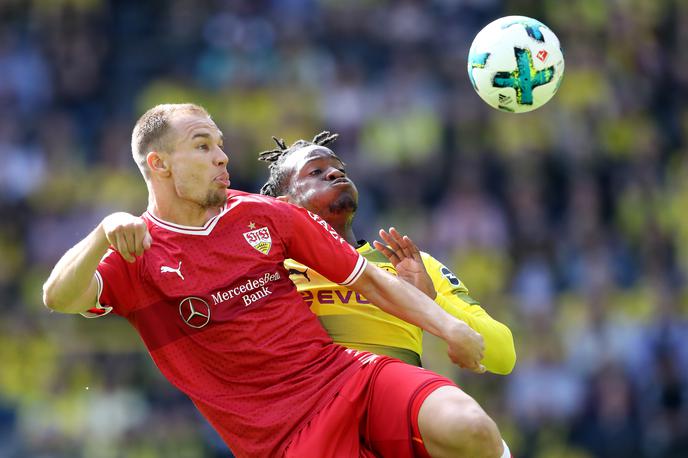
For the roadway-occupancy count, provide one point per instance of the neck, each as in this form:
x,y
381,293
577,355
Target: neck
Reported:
x,y
344,228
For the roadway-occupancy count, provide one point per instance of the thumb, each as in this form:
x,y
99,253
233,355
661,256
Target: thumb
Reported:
x,y
147,241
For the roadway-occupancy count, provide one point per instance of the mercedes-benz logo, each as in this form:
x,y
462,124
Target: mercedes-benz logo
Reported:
x,y
194,311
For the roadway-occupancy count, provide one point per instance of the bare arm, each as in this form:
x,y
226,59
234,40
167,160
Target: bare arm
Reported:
x,y
72,287
412,266
397,297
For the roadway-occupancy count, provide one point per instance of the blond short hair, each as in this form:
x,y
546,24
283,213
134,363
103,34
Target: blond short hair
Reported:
x,y
150,131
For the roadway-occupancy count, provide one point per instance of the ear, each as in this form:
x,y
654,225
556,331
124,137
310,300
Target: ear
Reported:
x,y
158,163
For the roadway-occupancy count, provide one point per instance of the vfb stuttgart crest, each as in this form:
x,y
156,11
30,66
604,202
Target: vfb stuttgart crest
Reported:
x,y
259,239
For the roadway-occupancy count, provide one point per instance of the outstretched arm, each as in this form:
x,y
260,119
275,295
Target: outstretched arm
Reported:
x,y
452,296
72,287
397,297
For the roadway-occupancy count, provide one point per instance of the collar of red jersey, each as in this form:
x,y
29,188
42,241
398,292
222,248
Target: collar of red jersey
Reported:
x,y
206,229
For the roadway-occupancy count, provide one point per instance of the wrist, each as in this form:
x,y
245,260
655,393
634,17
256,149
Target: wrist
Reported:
x,y
101,240
452,327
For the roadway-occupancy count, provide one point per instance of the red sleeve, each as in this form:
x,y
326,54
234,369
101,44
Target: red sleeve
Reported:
x,y
313,242
115,291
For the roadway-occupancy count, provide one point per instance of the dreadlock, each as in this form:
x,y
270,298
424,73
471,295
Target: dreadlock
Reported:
x,y
276,184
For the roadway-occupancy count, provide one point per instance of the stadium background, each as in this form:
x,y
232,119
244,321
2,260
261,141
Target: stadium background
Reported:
x,y
567,223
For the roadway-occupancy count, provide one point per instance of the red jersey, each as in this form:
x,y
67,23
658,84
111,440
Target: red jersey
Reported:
x,y
224,324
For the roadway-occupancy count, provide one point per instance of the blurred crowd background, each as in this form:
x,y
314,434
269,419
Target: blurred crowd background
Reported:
x,y
569,223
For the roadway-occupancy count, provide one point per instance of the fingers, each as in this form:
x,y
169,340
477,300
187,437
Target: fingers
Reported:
x,y
138,242
478,369
147,240
128,235
122,246
391,242
142,239
402,242
399,246
389,254
474,366
130,240
411,248
467,349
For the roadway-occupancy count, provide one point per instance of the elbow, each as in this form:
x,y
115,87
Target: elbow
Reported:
x,y
52,300
504,366
507,364
57,298
510,355
506,361
49,299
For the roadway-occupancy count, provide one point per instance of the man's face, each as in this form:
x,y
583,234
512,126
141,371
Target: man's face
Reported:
x,y
197,161
318,182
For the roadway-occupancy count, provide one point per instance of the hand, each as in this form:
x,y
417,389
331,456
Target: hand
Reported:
x,y
405,257
466,347
128,234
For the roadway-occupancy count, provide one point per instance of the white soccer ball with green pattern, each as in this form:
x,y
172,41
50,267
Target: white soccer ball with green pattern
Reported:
x,y
515,64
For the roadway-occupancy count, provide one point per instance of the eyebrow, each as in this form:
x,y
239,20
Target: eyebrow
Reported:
x,y
207,135
320,158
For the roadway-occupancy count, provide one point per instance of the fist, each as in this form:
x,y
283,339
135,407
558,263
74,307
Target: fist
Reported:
x,y
466,347
127,234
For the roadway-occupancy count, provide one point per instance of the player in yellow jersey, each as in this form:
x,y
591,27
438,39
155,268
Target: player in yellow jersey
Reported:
x,y
310,175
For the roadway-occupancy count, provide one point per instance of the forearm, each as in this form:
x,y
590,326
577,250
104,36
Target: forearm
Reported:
x,y
500,354
397,297
71,285
404,301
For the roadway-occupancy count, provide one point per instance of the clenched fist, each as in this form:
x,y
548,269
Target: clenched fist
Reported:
x,y
466,347
128,234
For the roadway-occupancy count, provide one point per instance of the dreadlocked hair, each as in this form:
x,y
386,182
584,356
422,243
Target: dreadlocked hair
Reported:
x,y
276,184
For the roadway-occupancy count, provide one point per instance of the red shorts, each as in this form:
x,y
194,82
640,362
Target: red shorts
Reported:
x,y
374,414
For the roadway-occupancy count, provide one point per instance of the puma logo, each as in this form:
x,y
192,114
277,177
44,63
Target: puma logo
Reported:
x,y
178,270
298,272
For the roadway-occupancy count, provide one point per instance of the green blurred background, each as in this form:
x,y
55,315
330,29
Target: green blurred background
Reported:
x,y
566,223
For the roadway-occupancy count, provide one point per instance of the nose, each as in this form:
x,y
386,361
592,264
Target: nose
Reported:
x,y
333,173
221,158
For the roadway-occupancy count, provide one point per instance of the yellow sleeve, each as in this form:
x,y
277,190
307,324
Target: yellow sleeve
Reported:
x,y
452,296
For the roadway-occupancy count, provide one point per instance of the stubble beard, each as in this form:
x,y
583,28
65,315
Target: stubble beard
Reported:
x,y
215,199
345,203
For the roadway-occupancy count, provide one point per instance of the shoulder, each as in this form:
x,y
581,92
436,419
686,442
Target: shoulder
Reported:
x,y
272,207
439,272
429,260
235,196
244,199
435,268
283,217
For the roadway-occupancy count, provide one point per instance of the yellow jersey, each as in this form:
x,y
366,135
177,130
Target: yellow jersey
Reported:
x,y
352,321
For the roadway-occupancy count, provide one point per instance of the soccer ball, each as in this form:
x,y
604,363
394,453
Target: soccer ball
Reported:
x,y
515,64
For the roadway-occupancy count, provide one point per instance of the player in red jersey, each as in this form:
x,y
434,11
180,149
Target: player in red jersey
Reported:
x,y
200,276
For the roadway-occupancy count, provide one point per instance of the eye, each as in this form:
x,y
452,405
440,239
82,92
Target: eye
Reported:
x,y
315,172
204,147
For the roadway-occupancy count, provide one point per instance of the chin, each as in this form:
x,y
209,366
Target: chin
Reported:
x,y
216,199
346,204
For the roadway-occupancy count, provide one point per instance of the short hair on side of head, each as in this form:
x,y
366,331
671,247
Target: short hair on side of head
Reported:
x,y
150,131
277,181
